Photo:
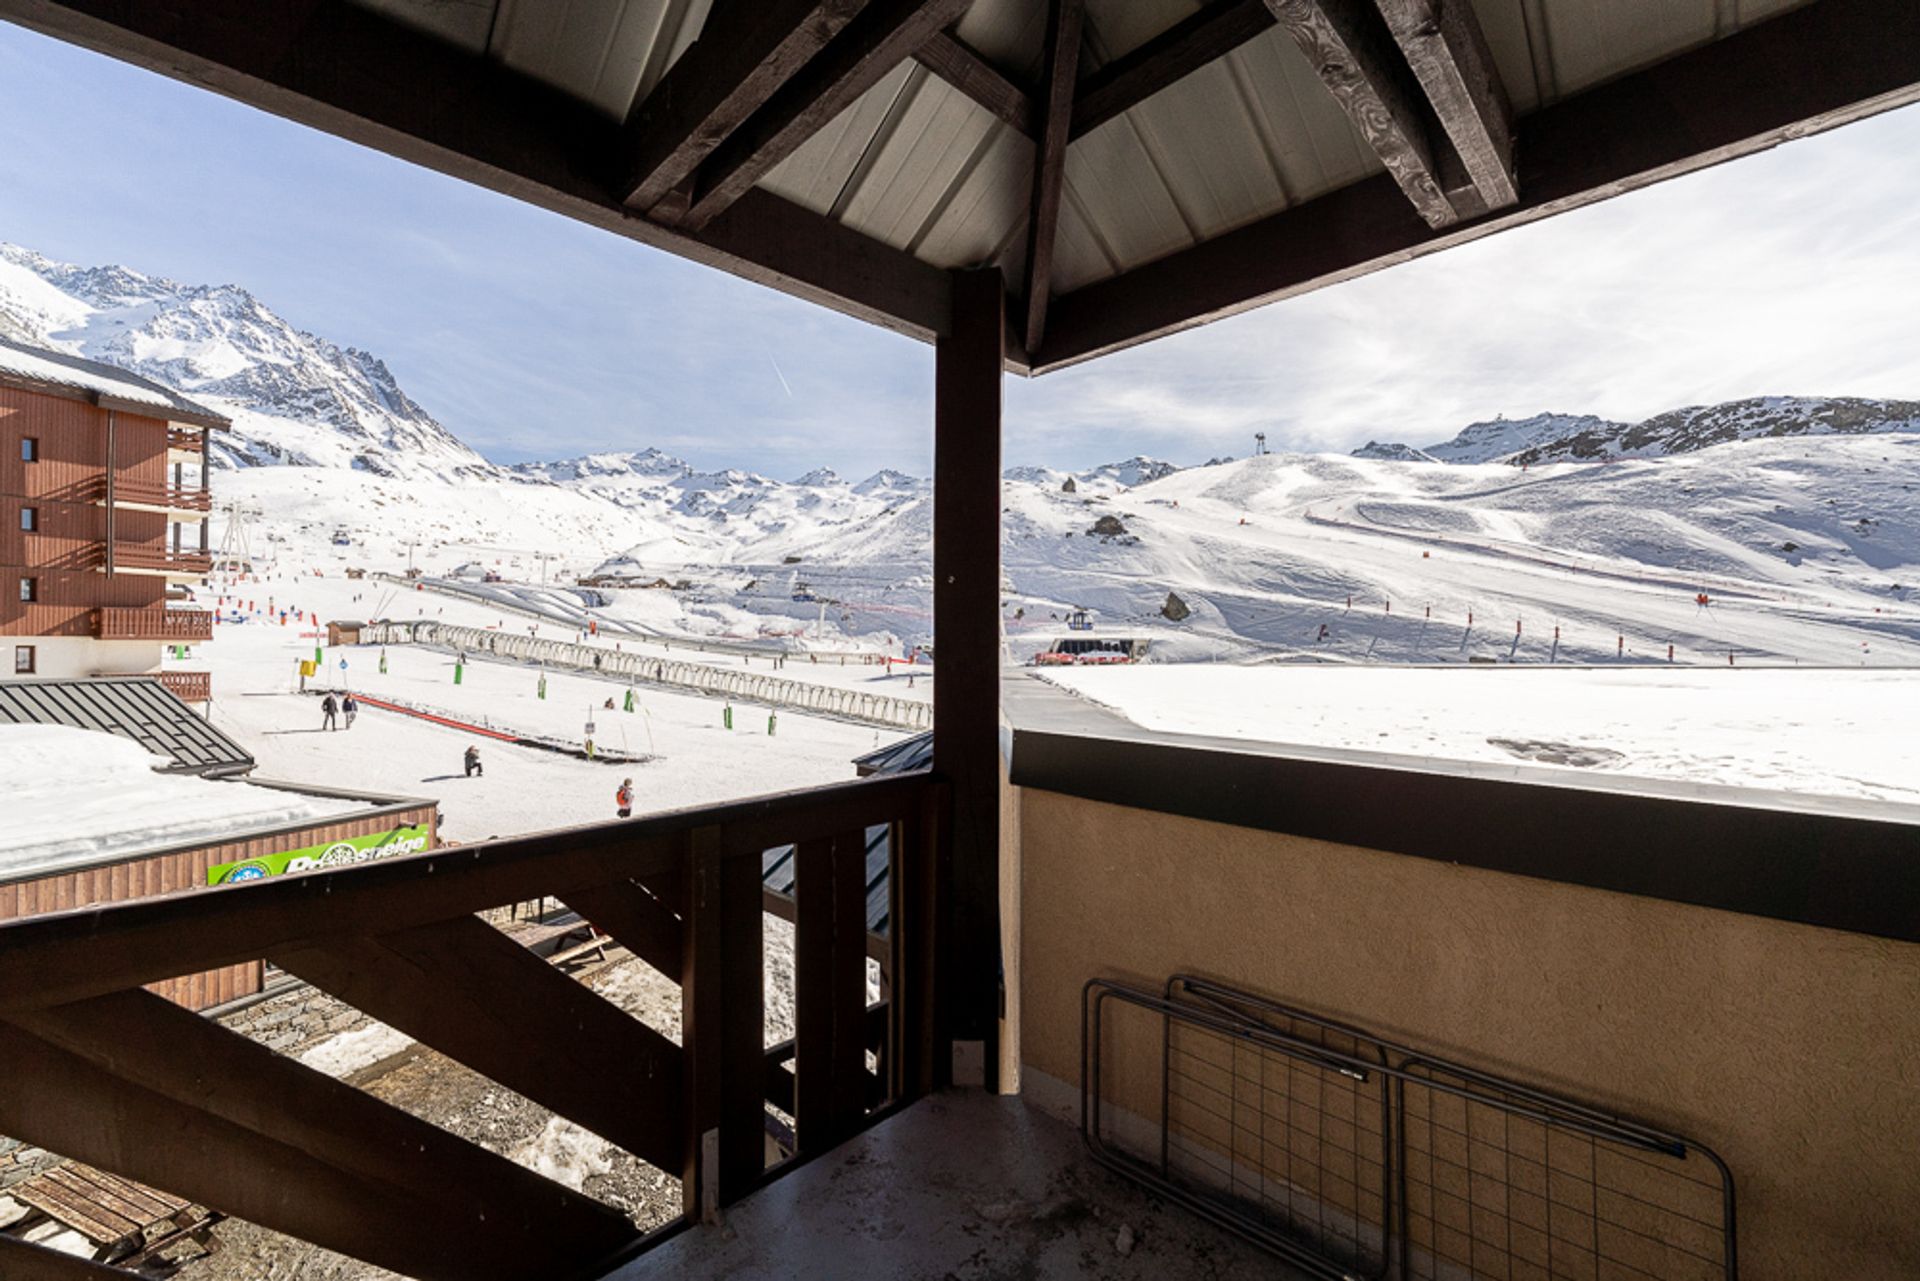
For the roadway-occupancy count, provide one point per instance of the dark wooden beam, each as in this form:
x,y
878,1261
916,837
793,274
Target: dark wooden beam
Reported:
x,y
471,992
60,1100
965,869
1168,58
1354,55
637,919
886,33
747,49
956,63
468,1211
348,70
1811,69
1062,65
49,959
23,1261
1448,53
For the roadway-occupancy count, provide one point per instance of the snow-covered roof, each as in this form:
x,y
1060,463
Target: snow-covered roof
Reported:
x,y
77,797
36,368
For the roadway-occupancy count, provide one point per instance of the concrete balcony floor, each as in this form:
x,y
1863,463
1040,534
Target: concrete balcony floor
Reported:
x,y
967,1186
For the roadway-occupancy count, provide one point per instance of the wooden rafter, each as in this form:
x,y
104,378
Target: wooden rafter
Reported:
x,y
1168,58
1050,162
1448,53
886,33
746,51
350,71
957,63
1811,69
1354,55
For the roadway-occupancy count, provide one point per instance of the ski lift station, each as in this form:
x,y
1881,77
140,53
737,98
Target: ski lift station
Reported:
x,y
1150,1004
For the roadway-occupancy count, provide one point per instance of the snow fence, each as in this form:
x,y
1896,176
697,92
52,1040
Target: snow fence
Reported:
x,y
703,678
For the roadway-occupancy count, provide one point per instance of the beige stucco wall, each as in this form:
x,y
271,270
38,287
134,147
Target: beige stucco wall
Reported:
x,y
1794,1051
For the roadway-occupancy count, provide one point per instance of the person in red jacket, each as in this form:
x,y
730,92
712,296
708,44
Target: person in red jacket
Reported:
x,y
623,798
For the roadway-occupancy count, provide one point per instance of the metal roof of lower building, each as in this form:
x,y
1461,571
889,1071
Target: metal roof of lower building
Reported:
x,y
134,707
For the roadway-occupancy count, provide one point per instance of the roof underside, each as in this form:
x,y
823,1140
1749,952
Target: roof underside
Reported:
x,y
1237,149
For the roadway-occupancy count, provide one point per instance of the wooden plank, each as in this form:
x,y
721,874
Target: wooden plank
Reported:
x,y
150,1044
746,50
966,683
1174,54
702,1011
884,35
1354,56
47,960
813,993
470,992
847,985
1062,63
1448,53
743,1144
22,1261
1813,68
956,62
637,919
75,1209
70,1103
348,70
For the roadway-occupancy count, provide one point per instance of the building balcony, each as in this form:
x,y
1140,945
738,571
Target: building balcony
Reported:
x,y
152,559
175,626
190,440
183,498
189,687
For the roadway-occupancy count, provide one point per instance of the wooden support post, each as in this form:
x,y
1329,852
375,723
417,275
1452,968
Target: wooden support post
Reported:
x,y
743,1071
966,684
700,1016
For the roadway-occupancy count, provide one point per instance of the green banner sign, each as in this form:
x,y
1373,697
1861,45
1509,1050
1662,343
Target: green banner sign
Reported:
x,y
312,858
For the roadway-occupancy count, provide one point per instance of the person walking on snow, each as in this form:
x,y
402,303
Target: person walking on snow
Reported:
x,y
623,798
351,708
472,762
328,709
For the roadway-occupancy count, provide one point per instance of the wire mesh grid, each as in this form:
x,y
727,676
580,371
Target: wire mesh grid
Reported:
x,y
1356,1157
1299,1143
1503,1185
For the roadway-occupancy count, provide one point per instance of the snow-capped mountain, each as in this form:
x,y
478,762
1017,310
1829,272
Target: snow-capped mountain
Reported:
x,y
294,397
1683,431
1484,442
1394,452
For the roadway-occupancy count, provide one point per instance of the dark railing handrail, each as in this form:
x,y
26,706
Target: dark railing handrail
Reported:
x,y
68,956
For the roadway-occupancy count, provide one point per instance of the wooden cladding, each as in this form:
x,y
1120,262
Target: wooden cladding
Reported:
x,y
173,625
299,1152
180,871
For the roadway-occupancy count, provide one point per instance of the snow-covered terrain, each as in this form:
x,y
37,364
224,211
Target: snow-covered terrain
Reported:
x,y
1777,530
1818,731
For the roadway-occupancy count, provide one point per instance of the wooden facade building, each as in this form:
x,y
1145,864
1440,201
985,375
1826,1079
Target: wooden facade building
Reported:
x,y
104,486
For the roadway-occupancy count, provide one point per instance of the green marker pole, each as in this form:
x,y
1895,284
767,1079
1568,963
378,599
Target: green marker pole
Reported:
x,y
629,700
383,662
543,684
726,716
772,719
458,669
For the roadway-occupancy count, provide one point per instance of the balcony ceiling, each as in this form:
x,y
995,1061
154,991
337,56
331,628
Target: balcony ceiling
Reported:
x,y
1211,154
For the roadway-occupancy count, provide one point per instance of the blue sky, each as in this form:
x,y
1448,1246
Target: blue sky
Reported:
x,y
531,336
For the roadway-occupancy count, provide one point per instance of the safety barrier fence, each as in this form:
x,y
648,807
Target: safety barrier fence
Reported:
x,y
702,678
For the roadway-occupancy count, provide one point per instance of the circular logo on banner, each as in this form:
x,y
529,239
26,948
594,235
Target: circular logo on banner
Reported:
x,y
249,872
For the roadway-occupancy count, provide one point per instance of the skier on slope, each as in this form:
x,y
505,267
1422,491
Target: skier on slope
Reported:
x,y
472,761
328,709
623,798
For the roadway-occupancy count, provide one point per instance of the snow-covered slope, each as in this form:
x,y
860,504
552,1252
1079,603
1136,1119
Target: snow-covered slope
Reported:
x,y
1683,431
294,397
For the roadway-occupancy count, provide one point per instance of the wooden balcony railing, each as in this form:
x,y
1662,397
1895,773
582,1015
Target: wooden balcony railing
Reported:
x,y
166,494
189,687
104,1072
188,438
176,625
150,556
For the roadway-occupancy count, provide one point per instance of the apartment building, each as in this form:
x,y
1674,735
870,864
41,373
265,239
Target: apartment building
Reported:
x,y
103,482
